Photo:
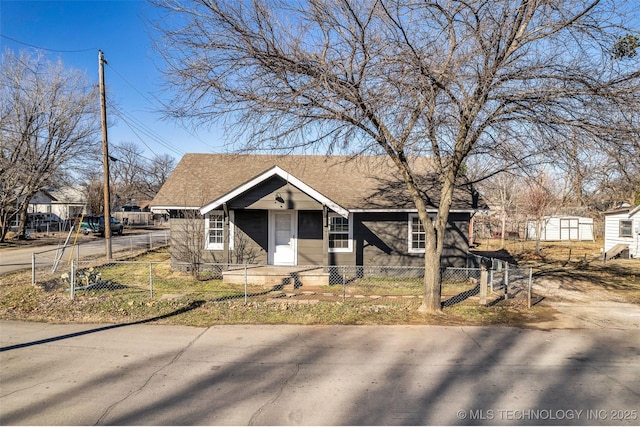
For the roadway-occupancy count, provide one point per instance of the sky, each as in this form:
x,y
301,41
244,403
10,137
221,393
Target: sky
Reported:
x,y
73,31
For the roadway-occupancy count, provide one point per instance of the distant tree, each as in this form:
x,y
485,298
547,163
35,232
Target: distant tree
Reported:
x,y
158,171
128,171
49,118
540,202
400,78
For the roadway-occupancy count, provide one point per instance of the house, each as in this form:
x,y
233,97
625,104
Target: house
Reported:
x,y
307,210
562,228
69,203
622,232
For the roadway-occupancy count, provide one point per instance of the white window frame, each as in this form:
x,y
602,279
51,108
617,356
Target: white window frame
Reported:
x,y
207,228
349,247
411,249
621,227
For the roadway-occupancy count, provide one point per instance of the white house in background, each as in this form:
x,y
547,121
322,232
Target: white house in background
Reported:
x,y
68,203
622,232
562,228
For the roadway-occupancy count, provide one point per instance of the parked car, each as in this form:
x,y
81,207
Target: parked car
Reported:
x,y
95,224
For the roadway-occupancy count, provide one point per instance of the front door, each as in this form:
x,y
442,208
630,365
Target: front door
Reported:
x,y
282,227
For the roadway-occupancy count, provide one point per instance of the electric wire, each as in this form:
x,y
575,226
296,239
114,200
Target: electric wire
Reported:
x,y
46,48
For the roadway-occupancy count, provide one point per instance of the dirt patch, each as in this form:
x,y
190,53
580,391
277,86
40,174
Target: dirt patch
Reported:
x,y
580,304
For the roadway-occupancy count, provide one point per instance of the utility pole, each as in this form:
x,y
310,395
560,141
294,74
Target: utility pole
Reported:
x,y
105,157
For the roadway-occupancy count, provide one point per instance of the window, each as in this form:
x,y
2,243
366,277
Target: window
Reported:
x,y
625,228
215,230
417,236
340,233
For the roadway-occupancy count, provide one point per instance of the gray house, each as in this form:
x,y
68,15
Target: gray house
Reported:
x,y
306,210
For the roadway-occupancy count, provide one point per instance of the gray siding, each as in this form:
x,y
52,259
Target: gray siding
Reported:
x,y
310,232
379,239
274,193
251,238
383,239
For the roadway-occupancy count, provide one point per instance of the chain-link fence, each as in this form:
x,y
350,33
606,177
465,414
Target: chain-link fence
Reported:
x,y
51,264
296,285
507,282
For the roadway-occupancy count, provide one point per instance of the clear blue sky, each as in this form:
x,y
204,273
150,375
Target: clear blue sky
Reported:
x,y
74,30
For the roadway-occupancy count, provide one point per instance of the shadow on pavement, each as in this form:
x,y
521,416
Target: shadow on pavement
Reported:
x,y
191,306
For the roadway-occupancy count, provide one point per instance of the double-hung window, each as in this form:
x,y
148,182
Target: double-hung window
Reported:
x,y
417,236
214,223
340,233
626,226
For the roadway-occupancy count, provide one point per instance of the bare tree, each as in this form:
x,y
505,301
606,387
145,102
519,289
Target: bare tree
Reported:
x,y
49,117
158,170
128,171
539,202
401,78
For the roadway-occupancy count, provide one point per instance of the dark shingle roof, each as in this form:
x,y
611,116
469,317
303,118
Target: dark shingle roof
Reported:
x,y
365,182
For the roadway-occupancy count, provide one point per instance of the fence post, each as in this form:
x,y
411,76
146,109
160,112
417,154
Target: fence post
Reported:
x,y
491,277
506,281
483,284
151,278
245,282
72,280
33,268
529,288
150,241
344,283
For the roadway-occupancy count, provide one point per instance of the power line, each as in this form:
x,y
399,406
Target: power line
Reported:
x,y
46,48
156,103
135,124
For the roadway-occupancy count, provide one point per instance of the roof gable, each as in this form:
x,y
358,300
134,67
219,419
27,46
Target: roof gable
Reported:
x,y
200,181
275,171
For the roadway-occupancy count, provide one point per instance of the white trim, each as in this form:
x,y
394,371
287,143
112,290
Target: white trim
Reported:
x,y
410,247
219,246
275,171
408,210
349,247
185,208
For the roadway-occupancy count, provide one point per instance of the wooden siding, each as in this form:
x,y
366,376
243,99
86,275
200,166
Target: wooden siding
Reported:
x,y
251,238
562,229
383,239
612,232
310,227
274,193
379,239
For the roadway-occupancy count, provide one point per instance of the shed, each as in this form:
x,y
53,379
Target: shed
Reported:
x,y
562,228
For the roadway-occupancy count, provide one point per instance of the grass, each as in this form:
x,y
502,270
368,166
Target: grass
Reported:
x,y
179,298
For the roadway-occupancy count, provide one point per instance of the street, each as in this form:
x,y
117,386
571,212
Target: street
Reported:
x,y
150,374
21,258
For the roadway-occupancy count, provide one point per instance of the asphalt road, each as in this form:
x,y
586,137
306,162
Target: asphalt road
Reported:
x,y
149,374
14,259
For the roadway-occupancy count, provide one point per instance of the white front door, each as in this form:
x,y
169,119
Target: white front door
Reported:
x,y
282,231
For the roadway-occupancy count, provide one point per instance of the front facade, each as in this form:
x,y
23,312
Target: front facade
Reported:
x,y
302,210
622,231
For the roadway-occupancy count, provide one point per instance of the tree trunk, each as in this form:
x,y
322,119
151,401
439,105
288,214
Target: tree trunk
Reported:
x,y
22,224
432,285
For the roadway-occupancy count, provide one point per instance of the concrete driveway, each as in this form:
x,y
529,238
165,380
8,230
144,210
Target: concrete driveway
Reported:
x,y
148,374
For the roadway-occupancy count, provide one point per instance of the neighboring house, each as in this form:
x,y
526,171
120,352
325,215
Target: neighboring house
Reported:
x,y
69,203
562,228
307,210
622,232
